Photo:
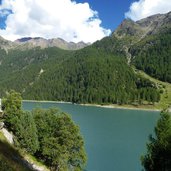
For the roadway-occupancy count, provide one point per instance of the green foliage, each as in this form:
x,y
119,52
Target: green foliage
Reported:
x,y
158,157
11,105
20,68
90,76
50,135
12,102
20,122
26,132
62,146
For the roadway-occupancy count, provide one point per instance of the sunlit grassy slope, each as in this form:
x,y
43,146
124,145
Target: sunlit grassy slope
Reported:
x,y
165,100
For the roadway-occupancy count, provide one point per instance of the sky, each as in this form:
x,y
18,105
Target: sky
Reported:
x,y
72,20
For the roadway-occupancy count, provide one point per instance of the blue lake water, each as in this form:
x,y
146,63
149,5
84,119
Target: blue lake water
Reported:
x,y
115,139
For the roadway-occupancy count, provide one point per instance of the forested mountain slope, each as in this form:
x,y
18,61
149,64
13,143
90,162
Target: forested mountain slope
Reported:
x,y
100,73
148,44
85,76
153,55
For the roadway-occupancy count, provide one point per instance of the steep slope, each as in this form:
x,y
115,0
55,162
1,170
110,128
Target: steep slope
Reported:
x,y
10,159
147,44
153,55
20,69
135,31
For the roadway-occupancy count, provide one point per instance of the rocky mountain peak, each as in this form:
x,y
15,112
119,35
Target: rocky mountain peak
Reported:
x,y
140,29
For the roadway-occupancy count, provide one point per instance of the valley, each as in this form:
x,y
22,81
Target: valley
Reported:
x,y
102,73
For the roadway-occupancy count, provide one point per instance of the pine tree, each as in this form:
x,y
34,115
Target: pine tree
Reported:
x,y
158,157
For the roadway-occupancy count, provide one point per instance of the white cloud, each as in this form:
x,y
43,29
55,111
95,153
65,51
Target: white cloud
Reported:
x,y
51,19
145,8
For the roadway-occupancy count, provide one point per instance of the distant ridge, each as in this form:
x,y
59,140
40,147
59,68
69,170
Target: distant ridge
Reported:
x,y
55,42
29,43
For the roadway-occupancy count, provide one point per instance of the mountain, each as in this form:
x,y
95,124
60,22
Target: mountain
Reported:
x,y
104,72
29,43
147,44
45,43
85,76
143,28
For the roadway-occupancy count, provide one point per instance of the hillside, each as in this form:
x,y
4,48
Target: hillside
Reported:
x,y
84,76
10,159
153,55
100,73
147,44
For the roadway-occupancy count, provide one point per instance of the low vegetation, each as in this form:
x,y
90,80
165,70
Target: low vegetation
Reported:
x,y
165,89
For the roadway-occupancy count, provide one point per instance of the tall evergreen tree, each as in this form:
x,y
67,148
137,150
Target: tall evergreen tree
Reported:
x,y
158,157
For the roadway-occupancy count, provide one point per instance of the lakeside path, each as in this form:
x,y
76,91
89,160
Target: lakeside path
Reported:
x,y
114,106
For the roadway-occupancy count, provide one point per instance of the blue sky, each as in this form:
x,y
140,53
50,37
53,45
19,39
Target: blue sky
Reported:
x,y
72,20
111,12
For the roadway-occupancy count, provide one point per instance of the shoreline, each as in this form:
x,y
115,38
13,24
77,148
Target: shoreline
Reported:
x,y
110,106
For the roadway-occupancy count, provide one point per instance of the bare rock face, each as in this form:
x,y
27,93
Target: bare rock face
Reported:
x,y
155,23
147,26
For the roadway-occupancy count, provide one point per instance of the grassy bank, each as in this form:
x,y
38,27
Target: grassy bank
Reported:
x,y
165,100
125,106
10,158
13,160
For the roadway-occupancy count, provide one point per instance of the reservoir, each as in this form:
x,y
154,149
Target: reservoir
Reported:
x,y
114,139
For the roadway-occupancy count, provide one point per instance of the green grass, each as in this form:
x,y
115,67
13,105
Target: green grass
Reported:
x,y
165,100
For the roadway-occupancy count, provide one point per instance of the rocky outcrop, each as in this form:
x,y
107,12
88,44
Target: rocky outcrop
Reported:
x,y
144,27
